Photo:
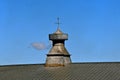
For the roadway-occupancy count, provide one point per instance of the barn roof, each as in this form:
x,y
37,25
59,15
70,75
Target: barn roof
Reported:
x,y
74,71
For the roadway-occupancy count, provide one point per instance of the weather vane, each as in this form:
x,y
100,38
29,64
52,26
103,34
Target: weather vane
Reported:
x,y
58,22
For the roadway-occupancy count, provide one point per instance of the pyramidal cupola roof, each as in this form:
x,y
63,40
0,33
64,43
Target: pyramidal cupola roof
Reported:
x,y
58,31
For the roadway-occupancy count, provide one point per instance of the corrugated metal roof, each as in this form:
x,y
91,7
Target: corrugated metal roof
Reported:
x,y
80,71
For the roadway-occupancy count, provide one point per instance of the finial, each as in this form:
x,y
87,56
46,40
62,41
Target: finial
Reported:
x,y
58,23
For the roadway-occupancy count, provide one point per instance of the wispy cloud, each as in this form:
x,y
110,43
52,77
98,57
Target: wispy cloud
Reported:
x,y
40,45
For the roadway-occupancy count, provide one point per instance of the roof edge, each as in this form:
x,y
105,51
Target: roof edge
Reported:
x,y
71,63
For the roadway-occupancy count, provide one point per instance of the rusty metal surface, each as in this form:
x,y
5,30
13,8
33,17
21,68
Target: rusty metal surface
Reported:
x,y
80,71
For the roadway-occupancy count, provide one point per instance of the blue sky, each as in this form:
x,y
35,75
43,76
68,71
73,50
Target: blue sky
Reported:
x,y
93,27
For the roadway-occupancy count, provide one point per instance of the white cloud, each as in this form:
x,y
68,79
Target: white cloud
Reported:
x,y
40,45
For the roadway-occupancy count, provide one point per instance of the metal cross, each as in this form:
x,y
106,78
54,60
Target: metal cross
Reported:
x,y
58,22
